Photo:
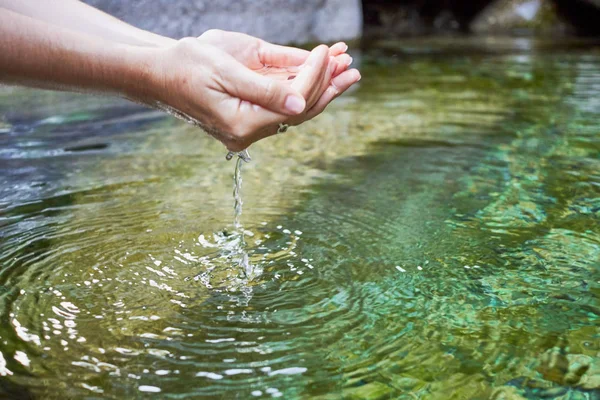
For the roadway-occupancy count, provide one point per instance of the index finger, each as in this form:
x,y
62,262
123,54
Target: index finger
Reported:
x,y
281,56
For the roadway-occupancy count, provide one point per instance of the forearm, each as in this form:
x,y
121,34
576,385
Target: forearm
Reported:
x,y
38,54
78,16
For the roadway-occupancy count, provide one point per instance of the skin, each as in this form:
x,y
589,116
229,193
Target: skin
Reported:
x,y
237,87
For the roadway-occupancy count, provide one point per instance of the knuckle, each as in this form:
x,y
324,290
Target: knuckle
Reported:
x,y
185,45
333,91
212,34
187,41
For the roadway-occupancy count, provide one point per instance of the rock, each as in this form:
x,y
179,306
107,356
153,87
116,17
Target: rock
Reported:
x,y
459,386
407,383
413,17
506,393
577,371
591,382
578,366
510,16
554,365
582,15
370,391
280,21
590,366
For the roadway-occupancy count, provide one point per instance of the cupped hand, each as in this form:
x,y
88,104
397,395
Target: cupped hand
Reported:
x,y
226,91
279,62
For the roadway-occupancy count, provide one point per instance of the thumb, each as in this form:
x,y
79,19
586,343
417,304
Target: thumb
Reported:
x,y
274,95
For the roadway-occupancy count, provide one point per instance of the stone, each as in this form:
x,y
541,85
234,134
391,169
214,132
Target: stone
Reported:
x,y
554,365
280,21
570,370
370,391
578,366
590,366
506,393
460,386
582,15
407,383
510,16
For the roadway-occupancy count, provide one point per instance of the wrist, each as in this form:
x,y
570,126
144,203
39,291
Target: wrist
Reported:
x,y
140,76
163,74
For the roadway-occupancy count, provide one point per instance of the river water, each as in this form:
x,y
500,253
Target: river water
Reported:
x,y
435,234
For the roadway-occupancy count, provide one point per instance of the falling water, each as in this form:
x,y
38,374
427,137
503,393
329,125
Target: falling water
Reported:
x,y
237,196
239,252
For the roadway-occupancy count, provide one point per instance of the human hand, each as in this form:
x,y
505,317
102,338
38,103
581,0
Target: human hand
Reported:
x,y
279,62
283,63
231,100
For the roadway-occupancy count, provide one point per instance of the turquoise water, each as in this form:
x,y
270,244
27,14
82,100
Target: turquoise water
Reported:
x,y
435,234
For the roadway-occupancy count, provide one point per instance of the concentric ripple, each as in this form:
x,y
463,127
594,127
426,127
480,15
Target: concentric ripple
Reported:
x,y
431,236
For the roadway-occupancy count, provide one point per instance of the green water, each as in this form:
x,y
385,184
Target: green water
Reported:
x,y
435,235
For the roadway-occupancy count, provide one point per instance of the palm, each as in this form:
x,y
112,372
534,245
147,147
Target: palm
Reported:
x,y
251,52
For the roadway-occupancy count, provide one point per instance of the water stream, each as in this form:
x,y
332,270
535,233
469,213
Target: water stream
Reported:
x,y
240,254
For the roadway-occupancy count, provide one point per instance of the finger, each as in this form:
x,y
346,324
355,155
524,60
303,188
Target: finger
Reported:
x,y
271,94
281,56
338,48
309,80
326,81
338,86
286,56
268,121
344,61
259,123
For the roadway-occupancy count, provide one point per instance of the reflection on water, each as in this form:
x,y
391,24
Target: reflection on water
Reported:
x,y
434,235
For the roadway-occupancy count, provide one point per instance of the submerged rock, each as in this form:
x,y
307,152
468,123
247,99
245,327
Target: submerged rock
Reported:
x,y
281,21
584,372
554,365
506,393
370,391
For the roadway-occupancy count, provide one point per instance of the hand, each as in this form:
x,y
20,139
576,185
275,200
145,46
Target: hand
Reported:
x,y
283,63
279,62
208,86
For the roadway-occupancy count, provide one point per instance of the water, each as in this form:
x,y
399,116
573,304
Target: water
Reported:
x,y
237,188
433,235
239,252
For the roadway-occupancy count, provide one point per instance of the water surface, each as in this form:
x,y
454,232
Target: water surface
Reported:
x,y
435,234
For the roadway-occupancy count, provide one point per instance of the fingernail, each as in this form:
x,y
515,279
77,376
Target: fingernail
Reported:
x,y
349,61
345,47
294,104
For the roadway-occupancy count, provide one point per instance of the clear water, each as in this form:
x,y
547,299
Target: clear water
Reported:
x,y
435,234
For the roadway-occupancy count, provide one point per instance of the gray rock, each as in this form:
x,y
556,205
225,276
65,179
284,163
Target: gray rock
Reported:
x,y
512,16
280,21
